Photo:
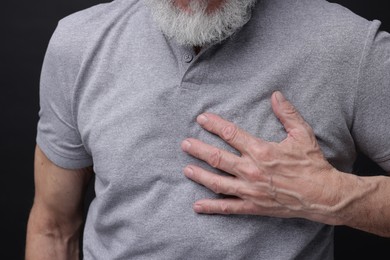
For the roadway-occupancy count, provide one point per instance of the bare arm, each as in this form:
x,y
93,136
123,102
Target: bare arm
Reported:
x,y
364,203
287,179
57,214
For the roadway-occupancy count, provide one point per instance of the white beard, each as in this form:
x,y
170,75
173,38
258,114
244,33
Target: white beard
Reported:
x,y
200,28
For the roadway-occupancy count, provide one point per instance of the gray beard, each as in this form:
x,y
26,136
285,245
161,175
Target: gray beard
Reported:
x,y
200,28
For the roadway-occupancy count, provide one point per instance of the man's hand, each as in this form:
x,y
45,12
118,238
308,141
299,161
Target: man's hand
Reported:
x,y
287,179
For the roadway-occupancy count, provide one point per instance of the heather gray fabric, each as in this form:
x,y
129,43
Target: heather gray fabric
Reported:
x,y
116,94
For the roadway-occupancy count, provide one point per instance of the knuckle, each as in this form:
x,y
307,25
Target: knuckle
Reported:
x,y
250,208
290,109
293,113
211,126
256,151
305,132
225,209
253,174
215,158
247,193
309,129
229,132
243,192
216,185
298,133
262,152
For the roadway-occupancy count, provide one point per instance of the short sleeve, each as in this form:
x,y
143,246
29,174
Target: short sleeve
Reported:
x,y
57,133
371,127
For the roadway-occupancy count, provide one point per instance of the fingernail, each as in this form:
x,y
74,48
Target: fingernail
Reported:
x,y
197,208
188,172
279,97
202,119
185,145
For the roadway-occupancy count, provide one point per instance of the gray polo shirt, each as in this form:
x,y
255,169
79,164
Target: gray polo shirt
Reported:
x,y
117,94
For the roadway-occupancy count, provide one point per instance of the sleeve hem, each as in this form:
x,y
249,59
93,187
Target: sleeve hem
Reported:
x,y
62,161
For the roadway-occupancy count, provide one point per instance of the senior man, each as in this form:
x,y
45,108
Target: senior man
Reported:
x,y
129,85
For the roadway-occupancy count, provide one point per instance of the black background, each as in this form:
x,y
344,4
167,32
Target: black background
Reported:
x,y
26,27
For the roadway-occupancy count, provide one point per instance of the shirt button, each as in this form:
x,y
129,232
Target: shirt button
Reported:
x,y
188,58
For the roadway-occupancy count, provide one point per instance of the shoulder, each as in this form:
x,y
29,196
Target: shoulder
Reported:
x,y
343,33
328,31
78,35
92,18
332,22
315,20
81,30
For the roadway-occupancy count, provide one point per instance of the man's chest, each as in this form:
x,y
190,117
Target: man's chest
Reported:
x,y
135,121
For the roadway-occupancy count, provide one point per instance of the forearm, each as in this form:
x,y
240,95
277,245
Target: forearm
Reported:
x,y
364,203
50,239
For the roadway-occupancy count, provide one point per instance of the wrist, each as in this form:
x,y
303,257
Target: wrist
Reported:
x,y
337,197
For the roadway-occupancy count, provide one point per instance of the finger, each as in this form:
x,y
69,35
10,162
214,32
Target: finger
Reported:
x,y
225,207
287,113
228,131
216,183
215,157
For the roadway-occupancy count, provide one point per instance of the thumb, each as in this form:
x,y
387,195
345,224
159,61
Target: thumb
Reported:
x,y
287,113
